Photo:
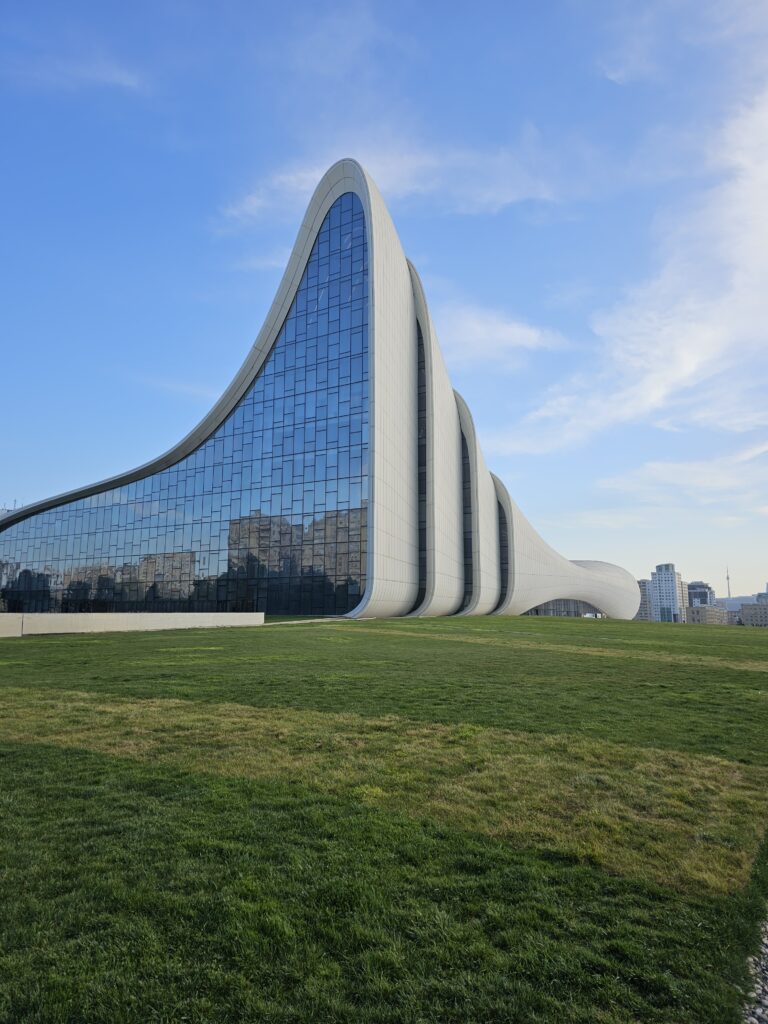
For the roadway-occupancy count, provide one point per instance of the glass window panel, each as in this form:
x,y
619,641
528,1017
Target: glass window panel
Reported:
x,y
264,491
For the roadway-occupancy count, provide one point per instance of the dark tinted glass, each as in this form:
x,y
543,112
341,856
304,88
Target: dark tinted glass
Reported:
x,y
503,554
466,496
422,446
269,514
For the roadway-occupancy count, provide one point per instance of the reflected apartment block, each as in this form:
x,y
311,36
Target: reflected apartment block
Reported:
x,y
306,567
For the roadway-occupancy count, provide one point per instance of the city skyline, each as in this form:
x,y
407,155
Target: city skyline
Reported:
x,y
586,214
665,596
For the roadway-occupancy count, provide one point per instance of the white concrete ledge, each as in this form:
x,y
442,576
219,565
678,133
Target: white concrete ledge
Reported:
x,y
37,623
10,624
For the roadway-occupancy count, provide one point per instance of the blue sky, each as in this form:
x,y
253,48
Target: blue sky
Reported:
x,y
583,187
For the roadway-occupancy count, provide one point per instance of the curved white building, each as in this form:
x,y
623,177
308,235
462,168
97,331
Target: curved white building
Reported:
x,y
338,474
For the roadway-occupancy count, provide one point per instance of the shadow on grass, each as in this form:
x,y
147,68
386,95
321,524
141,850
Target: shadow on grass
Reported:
x,y
136,892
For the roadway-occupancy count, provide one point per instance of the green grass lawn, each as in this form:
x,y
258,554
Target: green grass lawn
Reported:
x,y
452,820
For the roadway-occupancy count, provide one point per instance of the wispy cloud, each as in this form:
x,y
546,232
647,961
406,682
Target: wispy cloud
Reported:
x,y
690,345
633,53
340,40
62,74
646,39
737,482
463,180
475,335
381,127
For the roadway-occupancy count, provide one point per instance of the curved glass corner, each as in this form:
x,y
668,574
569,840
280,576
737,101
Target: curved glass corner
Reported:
x,y
269,514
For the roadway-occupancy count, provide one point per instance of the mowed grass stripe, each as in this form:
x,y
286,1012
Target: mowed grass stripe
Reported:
x,y
678,706
675,819
208,889
721,642
135,892
593,650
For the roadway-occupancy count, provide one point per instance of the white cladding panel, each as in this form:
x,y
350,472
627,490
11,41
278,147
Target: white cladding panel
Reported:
x,y
486,572
537,573
445,545
393,541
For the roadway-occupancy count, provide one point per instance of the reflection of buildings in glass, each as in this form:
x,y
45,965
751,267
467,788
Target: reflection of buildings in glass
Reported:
x,y
8,572
330,547
26,590
172,575
100,587
331,544
339,473
311,562
295,446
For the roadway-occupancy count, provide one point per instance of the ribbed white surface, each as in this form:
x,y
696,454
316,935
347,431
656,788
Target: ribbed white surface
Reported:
x,y
486,582
393,540
537,573
445,550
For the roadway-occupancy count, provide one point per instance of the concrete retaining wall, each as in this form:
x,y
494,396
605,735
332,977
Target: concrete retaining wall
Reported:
x,y
37,623
10,624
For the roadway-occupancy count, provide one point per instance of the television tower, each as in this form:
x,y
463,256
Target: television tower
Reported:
x,y
728,580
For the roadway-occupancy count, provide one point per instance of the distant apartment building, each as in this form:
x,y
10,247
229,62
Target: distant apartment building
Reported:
x,y
700,593
755,614
645,611
733,604
669,594
707,615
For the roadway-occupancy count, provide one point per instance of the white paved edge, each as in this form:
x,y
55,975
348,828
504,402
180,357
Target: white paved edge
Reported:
x,y
42,623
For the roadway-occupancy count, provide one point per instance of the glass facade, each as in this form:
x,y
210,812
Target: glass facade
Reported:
x,y
422,440
503,555
466,495
269,514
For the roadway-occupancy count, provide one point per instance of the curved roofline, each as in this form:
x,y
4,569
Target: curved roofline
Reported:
x,y
345,175
396,301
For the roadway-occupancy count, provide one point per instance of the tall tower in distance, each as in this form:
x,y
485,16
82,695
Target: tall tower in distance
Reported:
x,y
669,594
700,594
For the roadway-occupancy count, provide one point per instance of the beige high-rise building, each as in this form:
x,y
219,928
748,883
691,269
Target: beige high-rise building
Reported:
x,y
707,615
645,611
669,594
755,614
